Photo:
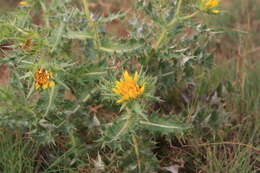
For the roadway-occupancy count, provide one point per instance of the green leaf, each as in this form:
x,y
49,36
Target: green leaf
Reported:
x,y
163,124
138,110
51,97
59,32
119,129
120,47
78,35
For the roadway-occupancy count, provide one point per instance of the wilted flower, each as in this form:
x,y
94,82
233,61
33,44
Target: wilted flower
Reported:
x,y
128,88
42,77
27,45
210,5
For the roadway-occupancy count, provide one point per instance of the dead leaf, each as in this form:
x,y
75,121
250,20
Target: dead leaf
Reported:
x,y
173,168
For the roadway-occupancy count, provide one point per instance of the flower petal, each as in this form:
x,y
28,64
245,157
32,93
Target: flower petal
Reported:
x,y
37,86
45,86
127,88
127,77
51,83
116,91
215,11
136,77
23,3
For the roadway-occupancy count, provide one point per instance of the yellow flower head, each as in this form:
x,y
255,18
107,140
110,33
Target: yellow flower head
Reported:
x,y
41,77
210,5
128,88
23,3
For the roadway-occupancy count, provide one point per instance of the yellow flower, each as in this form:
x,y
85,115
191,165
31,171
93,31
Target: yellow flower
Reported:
x,y
210,5
128,88
23,3
41,77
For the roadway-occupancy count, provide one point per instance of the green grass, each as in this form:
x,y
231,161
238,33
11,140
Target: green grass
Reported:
x,y
231,149
17,155
21,155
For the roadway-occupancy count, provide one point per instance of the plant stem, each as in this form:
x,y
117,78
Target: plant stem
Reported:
x,y
50,101
225,143
189,16
159,125
137,152
92,24
176,18
125,127
166,28
83,100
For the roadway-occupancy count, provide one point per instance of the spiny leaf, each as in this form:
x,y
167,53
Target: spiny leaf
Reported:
x,y
163,124
110,18
120,128
138,110
121,47
79,35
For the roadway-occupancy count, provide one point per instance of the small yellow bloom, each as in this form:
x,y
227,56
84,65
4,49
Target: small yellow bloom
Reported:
x,y
41,77
215,11
210,5
128,88
23,3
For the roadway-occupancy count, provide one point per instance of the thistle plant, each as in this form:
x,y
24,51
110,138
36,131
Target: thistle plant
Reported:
x,y
65,85
132,127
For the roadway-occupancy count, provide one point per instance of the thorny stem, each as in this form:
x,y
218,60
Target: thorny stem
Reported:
x,y
92,24
137,152
126,124
165,29
83,100
189,16
176,18
158,125
50,102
